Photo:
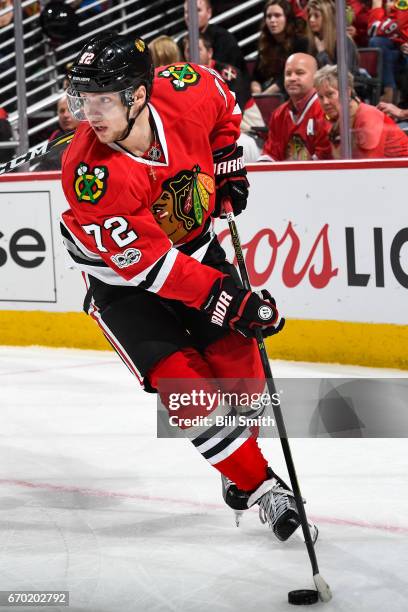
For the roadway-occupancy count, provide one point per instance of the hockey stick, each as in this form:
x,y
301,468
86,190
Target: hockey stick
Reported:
x,y
321,585
35,152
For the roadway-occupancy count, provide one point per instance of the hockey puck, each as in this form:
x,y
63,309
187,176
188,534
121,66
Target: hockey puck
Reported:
x,y
303,597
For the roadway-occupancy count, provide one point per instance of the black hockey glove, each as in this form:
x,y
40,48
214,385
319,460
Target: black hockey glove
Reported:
x,y
230,179
235,308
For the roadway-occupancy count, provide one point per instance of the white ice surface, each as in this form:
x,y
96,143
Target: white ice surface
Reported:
x,y
92,502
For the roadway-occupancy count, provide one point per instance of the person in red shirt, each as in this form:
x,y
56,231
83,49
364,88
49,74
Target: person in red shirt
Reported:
x,y
299,9
297,129
374,135
146,172
388,30
357,20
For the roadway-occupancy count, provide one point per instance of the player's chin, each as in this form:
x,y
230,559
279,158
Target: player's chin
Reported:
x,y
103,133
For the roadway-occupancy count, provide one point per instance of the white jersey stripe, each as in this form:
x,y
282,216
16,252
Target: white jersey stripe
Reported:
x,y
229,450
164,271
95,314
299,120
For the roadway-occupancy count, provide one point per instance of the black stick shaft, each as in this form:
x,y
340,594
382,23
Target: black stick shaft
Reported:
x,y
272,389
34,153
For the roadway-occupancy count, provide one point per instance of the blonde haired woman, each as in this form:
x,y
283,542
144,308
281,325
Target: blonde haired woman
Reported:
x,y
374,135
164,51
321,32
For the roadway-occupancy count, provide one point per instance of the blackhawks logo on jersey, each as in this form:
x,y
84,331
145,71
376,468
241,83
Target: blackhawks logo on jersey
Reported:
x,y
181,76
180,207
297,150
402,5
90,185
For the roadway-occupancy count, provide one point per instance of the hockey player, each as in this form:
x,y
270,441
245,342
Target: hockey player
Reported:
x,y
139,179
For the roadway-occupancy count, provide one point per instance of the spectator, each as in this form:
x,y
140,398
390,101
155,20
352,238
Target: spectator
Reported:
x,y
251,115
7,36
278,40
398,114
388,29
7,65
224,44
299,8
32,9
7,17
357,21
321,20
164,51
298,129
66,121
6,134
66,124
374,135
230,74
65,81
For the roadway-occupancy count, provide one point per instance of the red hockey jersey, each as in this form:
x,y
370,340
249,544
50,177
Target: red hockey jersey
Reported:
x,y
297,137
394,25
130,216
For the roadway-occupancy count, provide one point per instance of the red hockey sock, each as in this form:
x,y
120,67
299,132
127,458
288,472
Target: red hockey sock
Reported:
x,y
238,458
246,466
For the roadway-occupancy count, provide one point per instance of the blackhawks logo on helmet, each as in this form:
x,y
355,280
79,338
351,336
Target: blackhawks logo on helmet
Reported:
x,y
181,76
140,45
90,185
180,207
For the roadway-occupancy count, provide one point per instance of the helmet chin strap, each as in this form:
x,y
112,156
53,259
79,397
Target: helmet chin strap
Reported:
x,y
130,121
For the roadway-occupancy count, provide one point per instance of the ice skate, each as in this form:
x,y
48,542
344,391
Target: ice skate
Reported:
x,y
234,498
277,507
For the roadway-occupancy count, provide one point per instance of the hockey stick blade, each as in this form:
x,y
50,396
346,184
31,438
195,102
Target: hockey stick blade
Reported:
x,y
323,588
34,152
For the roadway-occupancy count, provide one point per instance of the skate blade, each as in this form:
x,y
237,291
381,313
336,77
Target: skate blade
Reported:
x,y
314,532
238,514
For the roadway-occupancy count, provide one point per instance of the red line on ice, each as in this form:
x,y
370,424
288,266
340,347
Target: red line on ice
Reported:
x,y
102,493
